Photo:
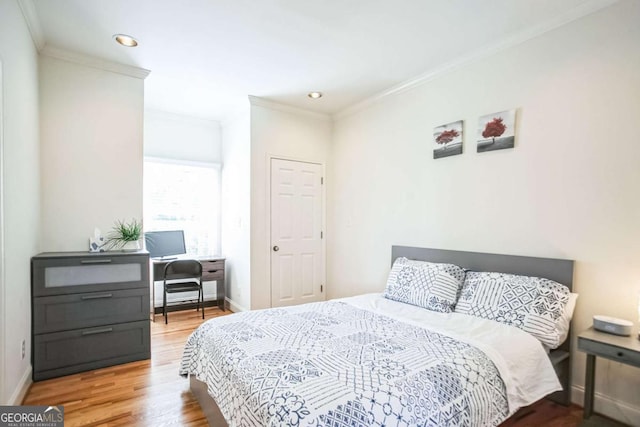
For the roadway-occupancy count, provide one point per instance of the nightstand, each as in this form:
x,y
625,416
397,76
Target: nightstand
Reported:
x,y
621,349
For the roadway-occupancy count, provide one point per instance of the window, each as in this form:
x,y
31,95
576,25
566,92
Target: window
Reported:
x,y
180,195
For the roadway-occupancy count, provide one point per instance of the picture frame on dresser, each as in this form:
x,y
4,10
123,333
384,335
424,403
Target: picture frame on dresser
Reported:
x,y
88,311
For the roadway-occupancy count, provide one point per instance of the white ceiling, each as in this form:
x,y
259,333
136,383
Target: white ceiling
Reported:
x,y
206,56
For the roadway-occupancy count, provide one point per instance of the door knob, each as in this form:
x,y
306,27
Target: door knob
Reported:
x,y
276,249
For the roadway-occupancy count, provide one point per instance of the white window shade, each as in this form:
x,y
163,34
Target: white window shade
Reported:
x,y
185,196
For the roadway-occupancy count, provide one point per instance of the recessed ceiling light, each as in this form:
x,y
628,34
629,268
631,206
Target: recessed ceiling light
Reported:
x,y
125,40
315,95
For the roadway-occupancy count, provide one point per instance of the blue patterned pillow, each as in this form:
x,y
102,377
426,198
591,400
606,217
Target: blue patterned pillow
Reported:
x,y
532,304
428,285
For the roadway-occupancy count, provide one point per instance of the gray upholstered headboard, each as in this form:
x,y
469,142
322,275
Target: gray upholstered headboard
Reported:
x,y
560,270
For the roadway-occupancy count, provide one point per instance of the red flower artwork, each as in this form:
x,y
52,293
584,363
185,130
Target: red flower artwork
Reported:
x,y
494,128
447,136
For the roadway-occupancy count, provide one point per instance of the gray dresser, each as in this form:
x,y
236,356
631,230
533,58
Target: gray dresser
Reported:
x,y
89,310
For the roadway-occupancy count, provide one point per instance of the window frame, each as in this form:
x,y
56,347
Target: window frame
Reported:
x,y
210,165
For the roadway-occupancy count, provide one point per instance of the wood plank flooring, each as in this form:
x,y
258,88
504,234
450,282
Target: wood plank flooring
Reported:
x,y
144,393
150,392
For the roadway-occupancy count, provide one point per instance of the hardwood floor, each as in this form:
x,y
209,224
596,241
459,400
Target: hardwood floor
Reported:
x,y
144,393
150,392
546,413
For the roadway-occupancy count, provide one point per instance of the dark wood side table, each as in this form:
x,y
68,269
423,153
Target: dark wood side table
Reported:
x,y
594,343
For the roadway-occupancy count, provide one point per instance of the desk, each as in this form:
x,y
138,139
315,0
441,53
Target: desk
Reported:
x,y
212,270
594,343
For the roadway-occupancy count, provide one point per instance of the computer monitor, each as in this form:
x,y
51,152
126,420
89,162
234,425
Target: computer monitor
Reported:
x,y
162,244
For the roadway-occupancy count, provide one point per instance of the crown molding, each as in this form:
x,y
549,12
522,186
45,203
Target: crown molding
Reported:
x,y
92,61
30,14
571,15
32,19
261,102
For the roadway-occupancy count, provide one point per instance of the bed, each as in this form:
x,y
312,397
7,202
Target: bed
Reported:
x,y
371,360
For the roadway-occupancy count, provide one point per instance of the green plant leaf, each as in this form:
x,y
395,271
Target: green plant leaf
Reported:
x,y
123,232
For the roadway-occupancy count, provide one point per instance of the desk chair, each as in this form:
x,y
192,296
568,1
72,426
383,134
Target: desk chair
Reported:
x,y
186,276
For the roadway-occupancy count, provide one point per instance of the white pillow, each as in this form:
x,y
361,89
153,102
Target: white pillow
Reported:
x,y
533,304
425,284
565,320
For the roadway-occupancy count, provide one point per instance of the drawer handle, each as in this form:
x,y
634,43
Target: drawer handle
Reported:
x,y
212,271
86,297
97,331
95,261
620,354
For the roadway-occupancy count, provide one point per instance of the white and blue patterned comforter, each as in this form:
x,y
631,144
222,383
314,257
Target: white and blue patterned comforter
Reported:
x,y
334,364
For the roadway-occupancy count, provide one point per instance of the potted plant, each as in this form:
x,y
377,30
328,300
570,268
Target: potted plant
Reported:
x,y
125,236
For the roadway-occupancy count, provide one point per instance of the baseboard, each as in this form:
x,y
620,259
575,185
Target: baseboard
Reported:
x,y
233,306
605,405
23,387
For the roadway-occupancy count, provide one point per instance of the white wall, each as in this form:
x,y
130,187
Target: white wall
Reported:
x,y
236,190
174,136
178,137
569,189
282,132
20,187
92,151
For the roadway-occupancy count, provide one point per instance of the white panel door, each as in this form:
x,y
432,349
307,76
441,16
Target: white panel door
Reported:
x,y
297,259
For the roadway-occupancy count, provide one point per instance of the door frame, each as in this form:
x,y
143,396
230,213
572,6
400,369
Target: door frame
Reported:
x,y
3,298
323,195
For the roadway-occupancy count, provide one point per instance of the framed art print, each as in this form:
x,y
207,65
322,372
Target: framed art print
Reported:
x,y
497,131
447,140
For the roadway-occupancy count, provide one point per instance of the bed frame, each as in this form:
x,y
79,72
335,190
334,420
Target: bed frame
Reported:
x,y
560,270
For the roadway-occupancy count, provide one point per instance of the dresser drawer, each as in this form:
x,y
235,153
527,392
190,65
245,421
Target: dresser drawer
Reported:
x,y
75,311
91,273
215,275
608,351
85,346
212,270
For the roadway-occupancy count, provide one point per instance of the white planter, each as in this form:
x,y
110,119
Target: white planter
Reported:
x,y
131,246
